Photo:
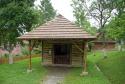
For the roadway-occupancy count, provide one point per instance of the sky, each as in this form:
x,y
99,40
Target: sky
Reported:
x,y
62,7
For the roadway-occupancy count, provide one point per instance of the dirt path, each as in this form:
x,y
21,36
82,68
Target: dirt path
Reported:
x,y
55,75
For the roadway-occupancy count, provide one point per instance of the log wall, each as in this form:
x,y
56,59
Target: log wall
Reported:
x,y
75,54
100,46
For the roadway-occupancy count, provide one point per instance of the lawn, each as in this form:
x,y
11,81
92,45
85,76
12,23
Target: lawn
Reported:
x,y
94,77
17,73
112,71
114,67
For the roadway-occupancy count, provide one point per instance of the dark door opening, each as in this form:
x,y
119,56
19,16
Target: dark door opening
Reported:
x,y
61,54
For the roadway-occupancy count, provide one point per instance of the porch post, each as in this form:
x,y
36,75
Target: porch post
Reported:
x,y
42,51
84,72
30,63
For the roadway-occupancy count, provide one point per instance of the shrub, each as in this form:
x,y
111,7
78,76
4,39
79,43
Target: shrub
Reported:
x,y
6,55
25,50
36,51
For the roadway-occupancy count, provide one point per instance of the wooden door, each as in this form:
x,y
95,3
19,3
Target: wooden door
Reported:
x,y
61,54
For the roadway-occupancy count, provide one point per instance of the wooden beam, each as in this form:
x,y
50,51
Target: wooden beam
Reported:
x,y
78,47
30,49
85,57
84,72
42,51
82,62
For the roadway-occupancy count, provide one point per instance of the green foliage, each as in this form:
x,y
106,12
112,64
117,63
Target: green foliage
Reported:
x,y
101,10
36,51
119,5
116,28
47,11
6,55
80,15
4,3
16,18
25,50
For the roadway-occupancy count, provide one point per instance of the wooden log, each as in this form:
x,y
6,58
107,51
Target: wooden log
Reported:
x,y
85,57
42,52
78,47
30,63
84,72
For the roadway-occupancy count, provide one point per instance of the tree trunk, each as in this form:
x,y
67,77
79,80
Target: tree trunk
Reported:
x,y
10,58
104,53
104,46
10,55
121,45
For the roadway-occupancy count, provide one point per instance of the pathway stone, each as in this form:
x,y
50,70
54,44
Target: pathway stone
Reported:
x,y
55,75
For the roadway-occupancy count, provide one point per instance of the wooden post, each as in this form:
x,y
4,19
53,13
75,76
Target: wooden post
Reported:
x,y
82,62
84,72
85,58
42,52
30,63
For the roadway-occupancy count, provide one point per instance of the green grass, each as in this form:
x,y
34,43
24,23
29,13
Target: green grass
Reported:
x,y
17,73
112,71
94,77
114,67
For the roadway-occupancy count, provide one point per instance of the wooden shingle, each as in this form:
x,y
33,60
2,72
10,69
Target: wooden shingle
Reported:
x,y
58,28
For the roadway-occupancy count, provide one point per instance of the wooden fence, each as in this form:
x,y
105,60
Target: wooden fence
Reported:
x,y
15,59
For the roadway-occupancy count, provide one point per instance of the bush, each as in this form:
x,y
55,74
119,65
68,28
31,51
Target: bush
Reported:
x,y
36,51
25,50
6,55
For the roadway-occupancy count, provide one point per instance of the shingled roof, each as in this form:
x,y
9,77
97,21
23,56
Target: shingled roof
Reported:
x,y
58,28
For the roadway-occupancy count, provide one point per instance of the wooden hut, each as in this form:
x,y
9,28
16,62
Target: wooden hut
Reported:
x,y
99,45
63,43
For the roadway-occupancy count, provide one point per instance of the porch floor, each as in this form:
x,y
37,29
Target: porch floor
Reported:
x,y
60,65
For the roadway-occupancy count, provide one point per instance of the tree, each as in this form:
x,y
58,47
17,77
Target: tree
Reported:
x,y
47,11
16,18
80,15
101,11
119,5
116,27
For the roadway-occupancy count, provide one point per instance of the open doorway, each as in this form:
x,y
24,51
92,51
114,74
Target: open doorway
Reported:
x,y
61,54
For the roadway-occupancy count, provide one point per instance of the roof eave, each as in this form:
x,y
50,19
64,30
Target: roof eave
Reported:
x,y
21,38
